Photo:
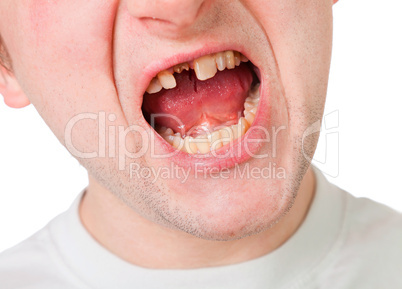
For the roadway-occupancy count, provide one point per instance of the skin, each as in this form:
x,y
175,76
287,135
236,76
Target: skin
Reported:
x,y
72,57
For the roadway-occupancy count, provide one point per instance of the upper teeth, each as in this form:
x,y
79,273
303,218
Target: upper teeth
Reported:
x,y
205,68
166,79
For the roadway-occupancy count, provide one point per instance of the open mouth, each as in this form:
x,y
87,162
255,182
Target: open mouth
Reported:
x,y
204,105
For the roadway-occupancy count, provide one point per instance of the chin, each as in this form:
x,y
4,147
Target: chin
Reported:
x,y
221,209
227,221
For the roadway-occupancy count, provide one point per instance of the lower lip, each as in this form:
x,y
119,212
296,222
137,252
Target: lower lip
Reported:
x,y
230,155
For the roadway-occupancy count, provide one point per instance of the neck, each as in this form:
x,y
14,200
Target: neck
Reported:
x,y
141,242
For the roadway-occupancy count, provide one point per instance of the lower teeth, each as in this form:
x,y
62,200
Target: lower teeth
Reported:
x,y
212,141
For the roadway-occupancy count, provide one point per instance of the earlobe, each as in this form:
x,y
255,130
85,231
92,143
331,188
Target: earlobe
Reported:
x,y
13,95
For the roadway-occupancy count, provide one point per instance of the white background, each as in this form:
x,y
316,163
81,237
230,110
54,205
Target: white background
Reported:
x,y
39,179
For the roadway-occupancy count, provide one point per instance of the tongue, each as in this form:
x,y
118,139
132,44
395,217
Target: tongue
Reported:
x,y
195,105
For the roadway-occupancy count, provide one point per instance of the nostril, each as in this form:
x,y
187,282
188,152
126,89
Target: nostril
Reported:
x,y
180,14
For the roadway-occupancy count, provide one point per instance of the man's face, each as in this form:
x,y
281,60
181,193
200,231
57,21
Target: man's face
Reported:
x,y
86,66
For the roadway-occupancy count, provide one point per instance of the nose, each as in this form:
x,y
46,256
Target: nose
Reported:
x,y
176,14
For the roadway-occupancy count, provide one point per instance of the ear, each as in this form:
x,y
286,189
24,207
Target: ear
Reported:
x,y
10,89
334,1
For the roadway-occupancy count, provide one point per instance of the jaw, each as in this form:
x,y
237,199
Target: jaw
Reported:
x,y
211,202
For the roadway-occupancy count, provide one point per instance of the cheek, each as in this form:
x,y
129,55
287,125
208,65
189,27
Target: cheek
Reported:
x,y
53,40
73,32
62,55
300,33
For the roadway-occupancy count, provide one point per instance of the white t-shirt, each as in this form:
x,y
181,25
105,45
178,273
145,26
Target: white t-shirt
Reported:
x,y
344,242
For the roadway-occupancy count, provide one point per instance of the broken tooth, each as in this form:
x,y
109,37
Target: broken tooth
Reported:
x,y
237,58
205,67
177,69
180,67
155,86
166,79
230,60
243,58
220,61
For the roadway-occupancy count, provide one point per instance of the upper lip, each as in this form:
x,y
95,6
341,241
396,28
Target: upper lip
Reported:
x,y
158,65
